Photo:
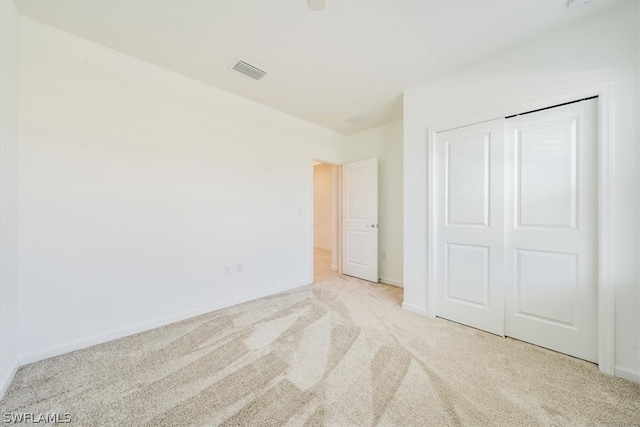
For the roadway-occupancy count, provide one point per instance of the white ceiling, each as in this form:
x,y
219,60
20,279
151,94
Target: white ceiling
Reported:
x,y
355,57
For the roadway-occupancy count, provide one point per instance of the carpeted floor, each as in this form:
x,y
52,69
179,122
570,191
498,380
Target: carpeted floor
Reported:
x,y
339,353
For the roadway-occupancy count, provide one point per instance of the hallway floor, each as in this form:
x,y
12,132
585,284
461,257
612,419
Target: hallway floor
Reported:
x,y
322,265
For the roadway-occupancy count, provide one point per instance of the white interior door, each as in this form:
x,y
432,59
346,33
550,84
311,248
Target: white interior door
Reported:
x,y
551,246
360,219
470,226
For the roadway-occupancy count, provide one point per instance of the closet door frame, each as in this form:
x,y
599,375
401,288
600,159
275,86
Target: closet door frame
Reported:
x,y
604,92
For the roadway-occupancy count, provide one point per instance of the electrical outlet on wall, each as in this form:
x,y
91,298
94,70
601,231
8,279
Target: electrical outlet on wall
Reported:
x,y
227,269
239,267
384,255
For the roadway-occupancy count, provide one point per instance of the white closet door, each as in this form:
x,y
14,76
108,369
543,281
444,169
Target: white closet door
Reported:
x,y
551,247
470,226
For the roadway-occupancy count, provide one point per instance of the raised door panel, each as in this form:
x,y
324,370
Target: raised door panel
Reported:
x,y
358,203
358,248
546,286
467,185
467,268
546,173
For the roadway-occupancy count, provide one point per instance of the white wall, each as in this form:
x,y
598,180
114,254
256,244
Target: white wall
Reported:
x,y
603,48
8,193
323,205
385,143
139,184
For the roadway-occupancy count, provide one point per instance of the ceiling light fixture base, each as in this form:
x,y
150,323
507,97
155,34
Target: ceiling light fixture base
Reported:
x,y
317,5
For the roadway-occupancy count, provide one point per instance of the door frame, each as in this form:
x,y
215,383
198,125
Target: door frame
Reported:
x,y
338,213
606,137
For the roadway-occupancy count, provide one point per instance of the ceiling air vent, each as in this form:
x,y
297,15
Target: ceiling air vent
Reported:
x,y
249,70
355,120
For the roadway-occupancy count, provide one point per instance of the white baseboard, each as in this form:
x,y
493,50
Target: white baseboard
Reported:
x,y
627,374
99,339
392,282
6,380
415,309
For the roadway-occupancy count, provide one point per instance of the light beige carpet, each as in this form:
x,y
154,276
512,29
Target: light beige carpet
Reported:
x,y
339,353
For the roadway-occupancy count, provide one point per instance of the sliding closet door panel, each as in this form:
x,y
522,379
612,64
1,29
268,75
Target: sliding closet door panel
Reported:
x,y
469,258
551,251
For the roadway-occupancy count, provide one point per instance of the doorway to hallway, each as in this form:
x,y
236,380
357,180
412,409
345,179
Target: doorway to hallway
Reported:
x,y
325,220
